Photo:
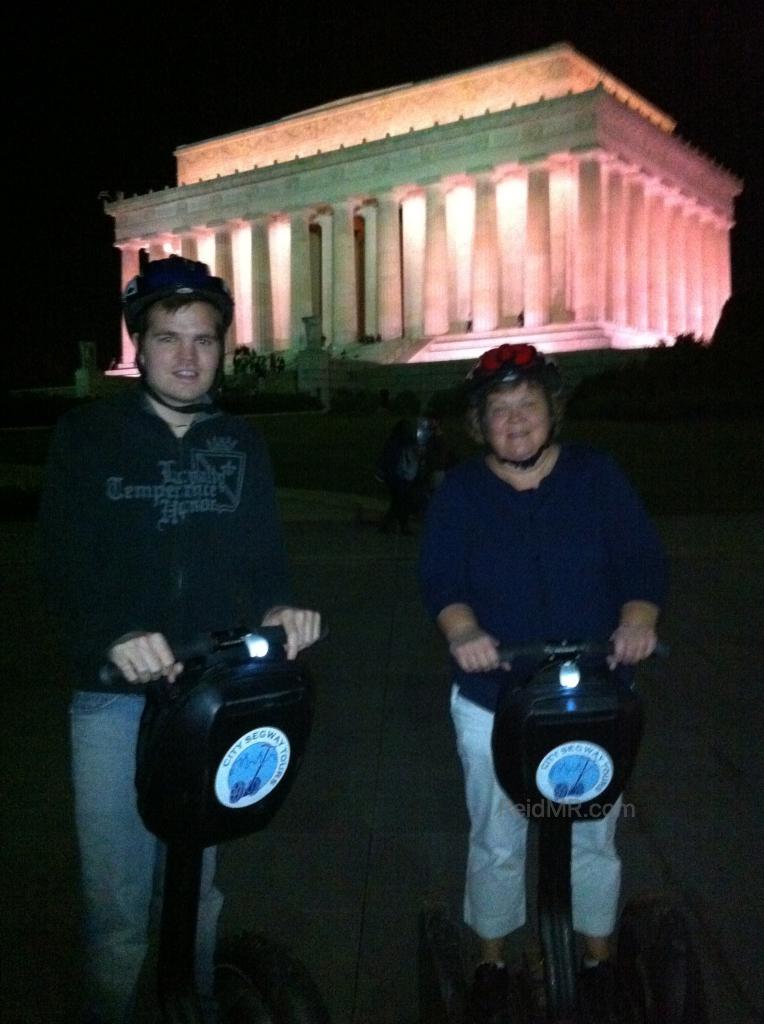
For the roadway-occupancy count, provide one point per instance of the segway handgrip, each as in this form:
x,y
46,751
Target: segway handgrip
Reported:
x,y
204,646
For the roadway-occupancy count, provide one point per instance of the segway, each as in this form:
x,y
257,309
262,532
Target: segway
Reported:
x,y
218,751
564,744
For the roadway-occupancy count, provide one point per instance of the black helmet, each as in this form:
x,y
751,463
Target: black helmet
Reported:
x,y
175,276
511,364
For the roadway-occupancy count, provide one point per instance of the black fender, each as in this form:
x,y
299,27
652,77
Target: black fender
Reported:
x,y
659,975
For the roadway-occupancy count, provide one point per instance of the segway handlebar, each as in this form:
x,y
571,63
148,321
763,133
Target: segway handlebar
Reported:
x,y
570,648
264,642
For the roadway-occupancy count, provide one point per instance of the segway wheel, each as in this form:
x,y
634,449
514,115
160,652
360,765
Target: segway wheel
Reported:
x,y
442,984
658,970
260,982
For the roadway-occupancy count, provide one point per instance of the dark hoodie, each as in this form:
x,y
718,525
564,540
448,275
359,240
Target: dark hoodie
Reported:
x,y
142,531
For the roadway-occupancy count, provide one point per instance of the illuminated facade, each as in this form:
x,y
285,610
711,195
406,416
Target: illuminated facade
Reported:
x,y
535,198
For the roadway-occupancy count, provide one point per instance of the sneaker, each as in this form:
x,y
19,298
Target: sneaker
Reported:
x,y
597,992
487,1002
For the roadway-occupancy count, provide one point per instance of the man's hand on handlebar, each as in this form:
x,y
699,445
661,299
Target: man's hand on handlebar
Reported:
x,y
301,625
144,657
473,650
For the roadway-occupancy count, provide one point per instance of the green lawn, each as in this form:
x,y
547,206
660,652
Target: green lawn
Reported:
x,y
693,466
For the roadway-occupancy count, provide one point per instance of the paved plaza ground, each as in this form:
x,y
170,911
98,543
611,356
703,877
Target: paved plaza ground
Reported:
x,y
375,823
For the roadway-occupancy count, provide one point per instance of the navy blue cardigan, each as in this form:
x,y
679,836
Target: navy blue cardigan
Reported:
x,y
554,563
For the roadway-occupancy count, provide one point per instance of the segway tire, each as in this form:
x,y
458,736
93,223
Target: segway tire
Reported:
x,y
260,982
442,983
659,976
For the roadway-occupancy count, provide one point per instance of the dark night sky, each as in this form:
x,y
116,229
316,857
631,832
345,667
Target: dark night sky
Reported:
x,y
101,101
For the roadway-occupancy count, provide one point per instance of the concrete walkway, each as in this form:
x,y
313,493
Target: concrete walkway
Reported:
x,y
375,823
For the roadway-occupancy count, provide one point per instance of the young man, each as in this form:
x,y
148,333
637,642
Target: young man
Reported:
x,y
158,524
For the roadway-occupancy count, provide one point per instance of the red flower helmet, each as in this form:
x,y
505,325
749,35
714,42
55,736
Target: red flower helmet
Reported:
x,y
510,364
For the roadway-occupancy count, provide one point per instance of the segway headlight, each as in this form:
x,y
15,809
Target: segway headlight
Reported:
x,y
256,645
570,675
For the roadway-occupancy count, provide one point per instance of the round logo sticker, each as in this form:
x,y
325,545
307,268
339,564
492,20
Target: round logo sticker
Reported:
x,y
253,766
574,772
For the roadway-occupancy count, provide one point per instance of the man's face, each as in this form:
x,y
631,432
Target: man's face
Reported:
x,y
180,352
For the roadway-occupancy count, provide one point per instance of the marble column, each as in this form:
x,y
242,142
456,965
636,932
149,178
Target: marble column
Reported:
x,y
205,247
561,241
694,283
224,268
262,304
188,247
435,263
485,257
589,289
345,311
724,280
279,252
369,213
413,226
616,291
460,232
537,250
241,257
657,261
325,221
131,255
677,297
512,202
636,250
390,307
710,278
300,293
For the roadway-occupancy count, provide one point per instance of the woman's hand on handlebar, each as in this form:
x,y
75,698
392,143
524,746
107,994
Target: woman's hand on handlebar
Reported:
x,y
144,657
301,625
635,638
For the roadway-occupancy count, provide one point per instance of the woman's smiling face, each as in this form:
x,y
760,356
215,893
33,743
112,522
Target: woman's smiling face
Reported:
x,y
517,421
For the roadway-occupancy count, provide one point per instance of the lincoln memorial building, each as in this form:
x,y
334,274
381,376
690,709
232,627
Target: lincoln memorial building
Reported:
x,y
536,198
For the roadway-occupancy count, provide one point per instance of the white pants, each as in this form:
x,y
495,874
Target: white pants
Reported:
x,y
494,896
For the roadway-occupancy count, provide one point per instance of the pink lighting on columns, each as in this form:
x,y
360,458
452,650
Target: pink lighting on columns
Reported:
x,y
657,260
262,300
435,263
414,216
511,202
710,278
636,240
616,292
241,251
676,278
130,269
390,306
344,301
301,291
369,213
590,263
205,247
694,273
563,251
485,257
279,247
460,224
537,250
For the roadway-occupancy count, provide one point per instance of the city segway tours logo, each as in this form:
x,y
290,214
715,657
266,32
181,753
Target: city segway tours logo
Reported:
x,y
574,772
253,767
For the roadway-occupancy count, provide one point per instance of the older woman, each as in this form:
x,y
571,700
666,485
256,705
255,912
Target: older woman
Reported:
x,y
533,540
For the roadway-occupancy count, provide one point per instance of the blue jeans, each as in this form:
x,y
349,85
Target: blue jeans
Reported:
x,y
121,861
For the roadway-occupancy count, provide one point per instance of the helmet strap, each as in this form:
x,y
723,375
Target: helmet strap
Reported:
x,y
523,464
